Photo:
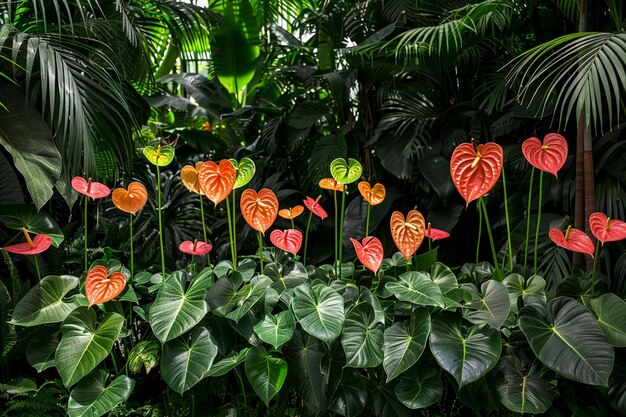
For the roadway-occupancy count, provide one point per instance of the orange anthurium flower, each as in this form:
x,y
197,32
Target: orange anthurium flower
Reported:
x,y
38,244
90,188
606,229
289,240
574,240
259,210
189,177
217,181
195,248
435,234
315,207
407,235
131,200
373,195
475,171
291,213
100,288
330,184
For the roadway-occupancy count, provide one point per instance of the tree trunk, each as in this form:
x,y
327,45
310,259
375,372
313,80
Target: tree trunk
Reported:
x,y
579,203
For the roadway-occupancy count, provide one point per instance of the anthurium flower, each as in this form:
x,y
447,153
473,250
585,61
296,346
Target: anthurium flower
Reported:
x,y
606,229
330,184
315,207
435,234
549,156
574,240
373,195
38,244
407,234
100,288
90,188
289,240
259,210
217,181
475,171
370,252
189,177
291,212
206,126
130,200
197,248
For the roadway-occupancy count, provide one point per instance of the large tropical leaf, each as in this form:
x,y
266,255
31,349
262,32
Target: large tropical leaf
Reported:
x,y
176,310
41,349
227,364
92,397
16,216
8,337
362,337
405,342
420,388
491,306
186,360
276,329
304,357
351,395
265,372
85,343
569,341
523,390
610,311
319,309
417,288
248,296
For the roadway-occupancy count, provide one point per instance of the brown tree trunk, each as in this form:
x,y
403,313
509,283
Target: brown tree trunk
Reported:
x,y
590,189
579,202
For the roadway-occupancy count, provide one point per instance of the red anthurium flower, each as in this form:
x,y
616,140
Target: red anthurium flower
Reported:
x,y
407,235
100,288
549,156
259,210
574,240
606,229
475,171
330,184
370,252
90,188
38,244
289,240
217,181
291,213
195,248
435,234
315,208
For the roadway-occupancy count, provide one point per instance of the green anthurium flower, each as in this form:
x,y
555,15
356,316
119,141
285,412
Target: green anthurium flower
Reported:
x,y
346,172
245,170
161,156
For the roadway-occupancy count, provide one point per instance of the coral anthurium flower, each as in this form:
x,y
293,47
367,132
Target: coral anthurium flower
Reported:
x,y
259,210
315,207
330,184
292,212
196,247
206,126
217,181
475,171
574,240
435,234
407,235
549,156
90,188
38,244
189,177
131,200
100,288
370,252
606,229
373,195
289,240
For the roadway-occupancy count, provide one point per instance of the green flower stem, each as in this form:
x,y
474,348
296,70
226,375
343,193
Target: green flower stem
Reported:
x,y
160,221
535,257
340,242
230,235
132,260
430,244
306,237
234,214
85,227
508,224
488,225
37,269
260,238
367,220
530,195
293,226
593,269
206,240
117,370
480,230
243,391
336,219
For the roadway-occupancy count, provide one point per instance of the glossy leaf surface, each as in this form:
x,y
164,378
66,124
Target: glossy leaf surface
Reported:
x,y
405,343
92,397
265,372
491,306
289,240
304,354
522,389
576,241
610,311
160,156
245,170
420,388
319,309
276,330
130,200
346,172
16,216
330,184
189,177
259,210
407,234
416,288
90,188
605,229
549,156
362,338
217,181
475,171
373,195
370,252
100,287
292,212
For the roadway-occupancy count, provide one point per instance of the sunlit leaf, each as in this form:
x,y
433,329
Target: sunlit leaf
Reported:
x,y
346,172
92,397
245,170
160,156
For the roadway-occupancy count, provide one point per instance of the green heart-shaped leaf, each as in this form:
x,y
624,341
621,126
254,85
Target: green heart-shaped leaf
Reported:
x,y
522,389
245,170
319,309
276,329
610,311
420,388
346,172
265,373
161,156
92,397
16,216
362,338
405,342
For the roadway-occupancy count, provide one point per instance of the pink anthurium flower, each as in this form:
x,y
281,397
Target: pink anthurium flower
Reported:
x,y
315,207
38,244
606,229
196,248
435,234
370,252
574,240
289,240
549,156
90,188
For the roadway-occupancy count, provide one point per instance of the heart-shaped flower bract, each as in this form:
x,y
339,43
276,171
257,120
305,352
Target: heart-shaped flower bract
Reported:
x,y
160,156
370,252
476,171
131,200
217,181
245,170
606,229
38,244
189,177
330,184
259,210
407,235
345,172
549,156
373,195
435,234
573,239
197,248
289,240
90,188
291,213
315,207
100,288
